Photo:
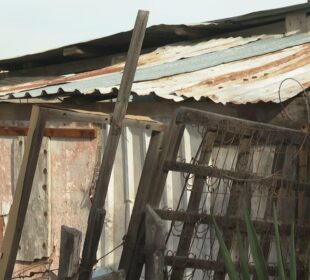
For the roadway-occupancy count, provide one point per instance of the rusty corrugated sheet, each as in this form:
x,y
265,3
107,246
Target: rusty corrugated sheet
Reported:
x,y
237,70
162,55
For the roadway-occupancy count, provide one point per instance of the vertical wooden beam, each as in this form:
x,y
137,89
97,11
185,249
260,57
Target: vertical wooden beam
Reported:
x,y
154,186
114,135
154,246
137,218
22,194
95,222
193,204
69,258
171,148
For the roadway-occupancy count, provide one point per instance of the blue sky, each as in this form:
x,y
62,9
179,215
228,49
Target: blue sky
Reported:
x,y
30,26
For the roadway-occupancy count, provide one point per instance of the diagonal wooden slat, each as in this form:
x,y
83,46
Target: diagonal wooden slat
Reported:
x,y
193,204
22,193
150,192
141,200
111,146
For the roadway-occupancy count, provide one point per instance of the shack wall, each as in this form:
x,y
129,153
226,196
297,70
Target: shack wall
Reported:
x,y
64,179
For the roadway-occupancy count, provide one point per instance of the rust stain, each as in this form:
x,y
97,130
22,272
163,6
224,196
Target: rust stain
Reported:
x,y
71,175
62,80
280,66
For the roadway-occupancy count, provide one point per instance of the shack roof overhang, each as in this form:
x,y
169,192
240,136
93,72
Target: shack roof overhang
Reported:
x,y
228,68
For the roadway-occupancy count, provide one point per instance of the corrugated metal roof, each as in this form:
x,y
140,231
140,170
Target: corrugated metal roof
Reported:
x,y
237,70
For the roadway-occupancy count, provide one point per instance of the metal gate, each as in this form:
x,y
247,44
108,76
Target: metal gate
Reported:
x,y
234,162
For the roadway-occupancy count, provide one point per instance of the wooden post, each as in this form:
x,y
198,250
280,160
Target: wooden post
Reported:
x,y
115,132
22,194
51,132
120,109
95,221
69,259
154,246
138,213
132,259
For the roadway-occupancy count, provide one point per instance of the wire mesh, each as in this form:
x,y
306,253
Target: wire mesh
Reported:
x,y
235,165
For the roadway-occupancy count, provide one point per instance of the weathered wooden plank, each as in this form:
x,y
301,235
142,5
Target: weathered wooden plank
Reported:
x,y
193,203
154,245
156,184
260,112
70,115
170,152
66,114
34,243
51,132
142,198
241,126
22,194
281,182
229,222
120,108
114,133
69,258
95,221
